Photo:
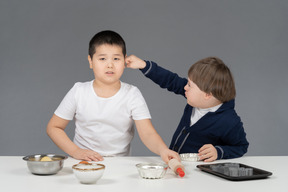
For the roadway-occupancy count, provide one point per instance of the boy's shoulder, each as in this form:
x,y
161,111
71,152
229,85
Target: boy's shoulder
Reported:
x,y
228,114
131,90
83,84
80,87
128,87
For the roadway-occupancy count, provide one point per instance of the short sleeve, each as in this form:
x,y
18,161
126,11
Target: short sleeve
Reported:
x,y
139,108
67,107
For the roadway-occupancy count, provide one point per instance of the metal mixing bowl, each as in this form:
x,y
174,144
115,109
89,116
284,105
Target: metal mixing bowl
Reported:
x,y
189,157
38,167
152,170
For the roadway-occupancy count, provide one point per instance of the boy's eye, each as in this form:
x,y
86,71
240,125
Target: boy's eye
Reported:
x,y
102,59
116,59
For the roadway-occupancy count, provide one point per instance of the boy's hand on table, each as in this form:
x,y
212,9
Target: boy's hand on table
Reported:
x,y
208,153
87,155
134,62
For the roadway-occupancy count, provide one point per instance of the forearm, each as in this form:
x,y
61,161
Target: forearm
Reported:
x,y
164,78
61,139
154,142
150,137
236,143
229,152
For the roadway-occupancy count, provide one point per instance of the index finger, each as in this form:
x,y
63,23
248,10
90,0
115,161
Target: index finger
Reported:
x,y
203,148
97,157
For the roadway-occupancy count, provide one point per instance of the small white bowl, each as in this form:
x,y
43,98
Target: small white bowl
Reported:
x,y
88,173
152,170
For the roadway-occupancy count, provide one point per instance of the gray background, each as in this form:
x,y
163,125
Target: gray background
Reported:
x,y
44,45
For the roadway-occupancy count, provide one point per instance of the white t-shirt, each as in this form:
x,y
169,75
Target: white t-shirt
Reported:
x,y
104,125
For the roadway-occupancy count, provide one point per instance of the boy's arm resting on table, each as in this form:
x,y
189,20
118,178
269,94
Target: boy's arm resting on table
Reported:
x,y
153,141
232,151
209,153
238,144
163,77
55,130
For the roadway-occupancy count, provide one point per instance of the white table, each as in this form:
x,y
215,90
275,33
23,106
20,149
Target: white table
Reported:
x,y
121,175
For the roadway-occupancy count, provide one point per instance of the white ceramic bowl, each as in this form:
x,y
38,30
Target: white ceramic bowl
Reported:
x,y
88,173
152,170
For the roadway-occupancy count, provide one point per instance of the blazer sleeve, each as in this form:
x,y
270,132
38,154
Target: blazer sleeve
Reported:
x,y
238,144
165,78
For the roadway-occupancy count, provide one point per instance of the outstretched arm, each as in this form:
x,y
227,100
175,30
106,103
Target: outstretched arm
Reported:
x,y
164,78
55,130
153,141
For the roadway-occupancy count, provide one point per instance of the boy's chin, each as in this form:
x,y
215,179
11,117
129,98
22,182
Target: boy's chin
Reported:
x,y
190,104
193,105
108,81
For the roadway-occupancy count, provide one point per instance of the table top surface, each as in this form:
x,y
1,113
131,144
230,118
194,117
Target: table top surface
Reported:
x,y
121,174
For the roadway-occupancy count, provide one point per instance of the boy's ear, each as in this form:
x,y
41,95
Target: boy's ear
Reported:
x,y
90,62
125,64
208,95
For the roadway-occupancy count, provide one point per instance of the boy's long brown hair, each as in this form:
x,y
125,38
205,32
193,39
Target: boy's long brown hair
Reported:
x,y
211,75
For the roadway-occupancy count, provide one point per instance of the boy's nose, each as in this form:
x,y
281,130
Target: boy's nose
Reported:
x,y
110,64
185,87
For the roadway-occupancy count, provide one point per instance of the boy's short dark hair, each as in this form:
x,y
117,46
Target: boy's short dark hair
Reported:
x,y
106,37
211,75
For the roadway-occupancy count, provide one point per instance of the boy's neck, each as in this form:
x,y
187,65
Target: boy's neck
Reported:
x,y
106,90
212,102
211,106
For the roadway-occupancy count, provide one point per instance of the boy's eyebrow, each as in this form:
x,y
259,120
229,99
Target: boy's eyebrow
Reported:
x,y
103,54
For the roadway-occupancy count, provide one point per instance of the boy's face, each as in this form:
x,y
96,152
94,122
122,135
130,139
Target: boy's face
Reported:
x,y
196,97
108,63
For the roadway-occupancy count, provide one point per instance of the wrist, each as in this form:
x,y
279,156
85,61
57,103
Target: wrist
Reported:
x,y
147,67
74,152
143,64
163,150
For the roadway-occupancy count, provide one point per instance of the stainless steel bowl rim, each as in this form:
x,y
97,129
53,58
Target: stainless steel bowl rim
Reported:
x,y
27,158
154,165
189,156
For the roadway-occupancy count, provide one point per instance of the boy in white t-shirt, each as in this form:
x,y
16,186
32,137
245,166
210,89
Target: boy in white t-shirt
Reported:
x,y
104,109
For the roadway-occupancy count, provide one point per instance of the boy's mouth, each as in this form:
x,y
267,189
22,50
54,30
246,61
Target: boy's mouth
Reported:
x,y
109,72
